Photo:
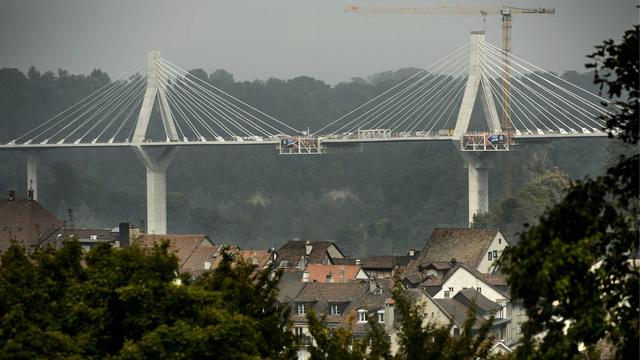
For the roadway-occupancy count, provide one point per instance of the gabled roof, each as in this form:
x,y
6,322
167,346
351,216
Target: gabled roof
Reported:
x,y
380,262
472,297
25,221
458,312
102,235
433,284
184,245
289,286
292,252
463,244
340,273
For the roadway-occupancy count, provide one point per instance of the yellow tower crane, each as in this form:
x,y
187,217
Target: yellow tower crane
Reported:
x,y
505,12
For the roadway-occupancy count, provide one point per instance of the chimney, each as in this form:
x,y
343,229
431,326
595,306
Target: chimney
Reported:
x,y
308,248
453,262
358,262
12,195
342,274
412,252
30,194
123,231
329,277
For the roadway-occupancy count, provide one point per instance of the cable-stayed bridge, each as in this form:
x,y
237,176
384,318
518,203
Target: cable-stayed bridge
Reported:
x,y
157,108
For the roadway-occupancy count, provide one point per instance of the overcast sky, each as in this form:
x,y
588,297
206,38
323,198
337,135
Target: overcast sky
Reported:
x,y
287,38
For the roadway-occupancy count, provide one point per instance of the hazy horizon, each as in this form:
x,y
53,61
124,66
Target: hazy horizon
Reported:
x,y
288,38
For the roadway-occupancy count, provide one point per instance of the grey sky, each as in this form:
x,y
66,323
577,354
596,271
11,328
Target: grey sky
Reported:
x,y
287,38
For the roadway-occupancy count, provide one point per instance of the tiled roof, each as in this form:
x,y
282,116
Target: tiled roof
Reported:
x,y
195,263
25,221
340,273
458,312
294,251
86,234
472,296
290,286
184,246
463,244
380,262
344,261
466,246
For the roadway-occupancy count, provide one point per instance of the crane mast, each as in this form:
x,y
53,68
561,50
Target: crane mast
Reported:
x,y
506,12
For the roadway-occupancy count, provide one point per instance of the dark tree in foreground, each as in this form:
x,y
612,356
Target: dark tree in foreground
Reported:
x,y
574,269
131,304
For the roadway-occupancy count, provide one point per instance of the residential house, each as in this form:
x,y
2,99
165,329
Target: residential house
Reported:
x,y
333,273
477,248
119,236
26,222
295,255
196,253
343,304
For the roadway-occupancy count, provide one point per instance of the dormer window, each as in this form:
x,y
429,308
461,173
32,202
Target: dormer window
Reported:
x,y
302,309
326,261
334,309
362,315
381,316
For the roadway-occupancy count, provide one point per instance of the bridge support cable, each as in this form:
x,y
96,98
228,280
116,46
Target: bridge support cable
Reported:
x,y
561,108
494,85
426,99
112,109
389,95
198,106
41,131
453,96
555,105
420,98
176,99
557,110
216,111
413,95
56,132
536,71
230,104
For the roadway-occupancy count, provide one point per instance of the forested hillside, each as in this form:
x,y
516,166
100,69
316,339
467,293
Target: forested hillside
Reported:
x,y
384,199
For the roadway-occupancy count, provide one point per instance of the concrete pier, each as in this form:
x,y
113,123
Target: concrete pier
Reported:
x,y
156,162
32,173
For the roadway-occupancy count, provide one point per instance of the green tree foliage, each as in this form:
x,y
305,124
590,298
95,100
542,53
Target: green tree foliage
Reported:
x,y
573,270
421,340
131,304
544,190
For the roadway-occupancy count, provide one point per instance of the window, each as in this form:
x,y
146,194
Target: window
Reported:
x,y
499,241
456,331
381,316
335,309
302,309
489,255
479,289
495,254
297,331
446,293
326,261
362,315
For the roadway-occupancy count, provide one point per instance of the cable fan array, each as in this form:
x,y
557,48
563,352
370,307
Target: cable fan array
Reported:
x,y
423,104
203,112
199,111
107,115
541,102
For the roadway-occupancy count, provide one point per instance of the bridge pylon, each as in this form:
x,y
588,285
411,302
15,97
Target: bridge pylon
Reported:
x,y
477,162
157,160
